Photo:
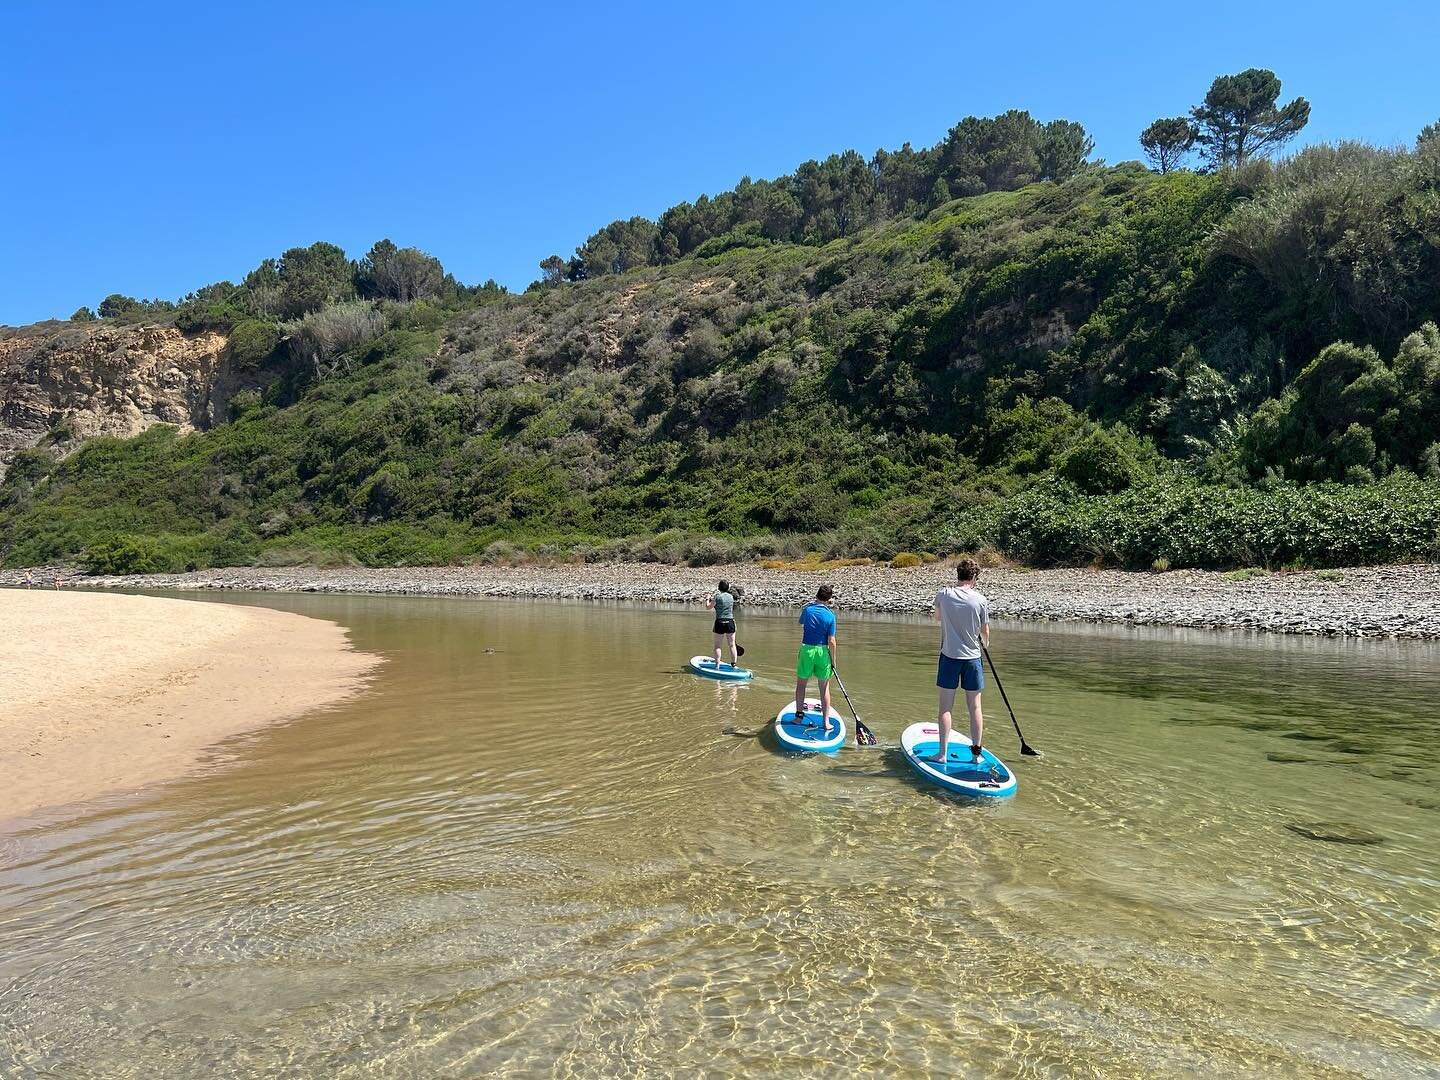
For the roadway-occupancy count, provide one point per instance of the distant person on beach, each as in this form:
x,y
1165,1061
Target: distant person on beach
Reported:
x,y
817,655
724,629
964,617
29,580
57,581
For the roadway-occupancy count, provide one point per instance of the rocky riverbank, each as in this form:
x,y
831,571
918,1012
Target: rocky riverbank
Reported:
x,y
1385,601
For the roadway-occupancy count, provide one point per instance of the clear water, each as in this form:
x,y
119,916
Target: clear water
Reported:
x,y
551,860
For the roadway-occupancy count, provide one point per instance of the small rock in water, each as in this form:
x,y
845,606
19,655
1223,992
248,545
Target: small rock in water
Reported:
x,y
1334,832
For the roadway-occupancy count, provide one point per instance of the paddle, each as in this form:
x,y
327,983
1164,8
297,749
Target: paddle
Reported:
x,y
1025,748
863,735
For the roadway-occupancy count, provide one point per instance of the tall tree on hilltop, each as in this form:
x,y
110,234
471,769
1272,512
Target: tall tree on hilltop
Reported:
x,y
1064,146
311,278
399,273
1240,120
1166,142
552,270
117,305
619,246
1428,134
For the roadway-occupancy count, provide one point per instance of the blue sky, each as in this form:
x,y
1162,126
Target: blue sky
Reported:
x,y
152,148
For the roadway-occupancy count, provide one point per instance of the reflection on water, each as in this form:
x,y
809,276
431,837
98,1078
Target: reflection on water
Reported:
x,y
549,859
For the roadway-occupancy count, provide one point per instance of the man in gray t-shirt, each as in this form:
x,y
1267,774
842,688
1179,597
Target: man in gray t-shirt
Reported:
x,y
964,617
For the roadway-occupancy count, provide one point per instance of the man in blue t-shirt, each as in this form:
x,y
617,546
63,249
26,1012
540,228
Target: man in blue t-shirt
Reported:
x,y
817,653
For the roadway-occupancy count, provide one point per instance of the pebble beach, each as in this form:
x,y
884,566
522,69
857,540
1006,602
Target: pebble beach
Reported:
x,y
1400,601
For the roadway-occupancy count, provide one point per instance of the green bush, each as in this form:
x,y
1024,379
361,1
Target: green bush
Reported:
x,y
129,554
252,342
1200,526
1099,463
904,560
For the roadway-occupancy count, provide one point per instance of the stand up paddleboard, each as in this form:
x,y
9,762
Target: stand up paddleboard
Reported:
x,y
808,734
961,773
706,666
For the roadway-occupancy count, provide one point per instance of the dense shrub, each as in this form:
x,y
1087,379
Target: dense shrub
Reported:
x,y
1344,237
1197,526
1351,416
252,341
318,338
1098,463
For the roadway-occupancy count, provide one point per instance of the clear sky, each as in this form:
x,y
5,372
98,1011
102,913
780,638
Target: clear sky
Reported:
x,y
152,148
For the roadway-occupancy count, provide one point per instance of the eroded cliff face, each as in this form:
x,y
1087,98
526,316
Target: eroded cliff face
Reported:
x,y
105,380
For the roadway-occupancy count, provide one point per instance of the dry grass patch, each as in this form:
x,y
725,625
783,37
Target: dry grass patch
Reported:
x,y
812,562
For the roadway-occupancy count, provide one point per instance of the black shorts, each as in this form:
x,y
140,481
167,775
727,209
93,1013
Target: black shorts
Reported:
x,y
724,626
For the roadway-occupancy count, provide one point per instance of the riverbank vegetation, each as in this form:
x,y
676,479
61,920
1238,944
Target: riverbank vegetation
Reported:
x,y
992,342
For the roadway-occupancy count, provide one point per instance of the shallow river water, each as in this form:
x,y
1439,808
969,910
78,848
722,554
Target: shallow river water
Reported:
x,y
552,860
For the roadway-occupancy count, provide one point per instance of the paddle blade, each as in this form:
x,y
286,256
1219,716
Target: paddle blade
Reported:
x,y
1028,750
739,650
863,735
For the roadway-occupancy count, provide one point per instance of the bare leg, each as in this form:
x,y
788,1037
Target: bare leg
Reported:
x,y
825,704
977,719
801,685
947,705
719,640
734,660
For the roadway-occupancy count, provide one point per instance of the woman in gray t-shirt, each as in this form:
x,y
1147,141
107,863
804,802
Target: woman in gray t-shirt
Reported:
x,y
724,629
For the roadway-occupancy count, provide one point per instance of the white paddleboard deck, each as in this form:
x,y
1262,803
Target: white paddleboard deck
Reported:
x,y
960,773
809,733
706,666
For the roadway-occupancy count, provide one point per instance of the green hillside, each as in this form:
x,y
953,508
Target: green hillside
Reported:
x,y
1076,363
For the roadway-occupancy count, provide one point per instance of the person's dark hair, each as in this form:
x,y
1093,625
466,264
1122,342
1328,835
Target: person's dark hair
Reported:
x,y
724,585
824,593
967,570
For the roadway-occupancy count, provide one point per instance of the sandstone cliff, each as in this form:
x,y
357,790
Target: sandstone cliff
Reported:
x,y
99,379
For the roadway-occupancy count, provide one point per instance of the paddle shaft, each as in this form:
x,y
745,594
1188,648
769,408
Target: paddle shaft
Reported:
x,y
863,735
1025,748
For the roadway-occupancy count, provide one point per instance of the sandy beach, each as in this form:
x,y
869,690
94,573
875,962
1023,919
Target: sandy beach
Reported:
x,y
106,693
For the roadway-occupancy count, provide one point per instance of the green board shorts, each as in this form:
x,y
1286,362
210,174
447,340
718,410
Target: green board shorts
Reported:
x,y
813,663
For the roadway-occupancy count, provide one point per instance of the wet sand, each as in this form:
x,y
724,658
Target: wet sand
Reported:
x,y
106,693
